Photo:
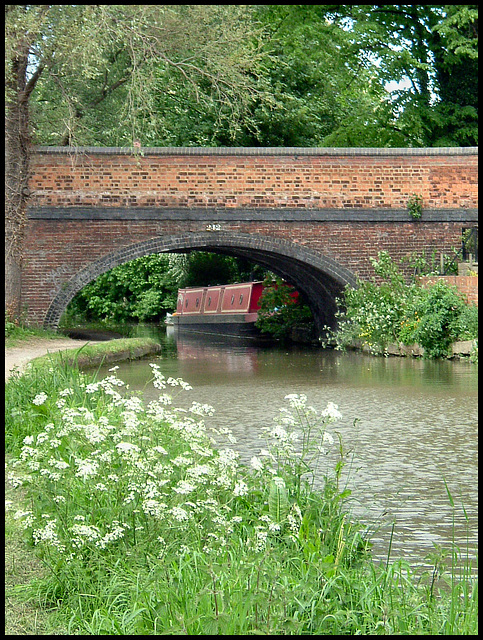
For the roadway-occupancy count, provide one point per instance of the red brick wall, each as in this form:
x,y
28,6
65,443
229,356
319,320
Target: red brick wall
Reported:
x,y
467,285
299,181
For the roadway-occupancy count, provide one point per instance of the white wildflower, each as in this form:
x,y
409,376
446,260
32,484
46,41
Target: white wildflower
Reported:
x,y
49,535
27,517
279,433
116,533
181,461
201,409
86,468
159,449
128,448
84,533
40,398
42,437
200,470
240,489
331,412
184,487
296,401
262,535
58,464
179,514
134,404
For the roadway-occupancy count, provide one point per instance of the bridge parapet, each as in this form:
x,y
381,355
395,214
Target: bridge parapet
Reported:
x,y
254,178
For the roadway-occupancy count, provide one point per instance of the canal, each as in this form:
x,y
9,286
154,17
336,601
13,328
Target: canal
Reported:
x,y
410,426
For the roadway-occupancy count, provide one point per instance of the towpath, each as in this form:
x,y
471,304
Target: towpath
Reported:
x,y
19,356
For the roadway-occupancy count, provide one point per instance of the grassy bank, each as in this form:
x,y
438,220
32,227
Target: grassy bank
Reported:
x,y
144,527
96,354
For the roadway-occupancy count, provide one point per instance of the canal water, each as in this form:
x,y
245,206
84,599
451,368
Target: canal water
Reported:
x,y
410,426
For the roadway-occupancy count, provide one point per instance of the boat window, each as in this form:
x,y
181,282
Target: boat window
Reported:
x,y
233,298
209,301
241,299
197,302
186,303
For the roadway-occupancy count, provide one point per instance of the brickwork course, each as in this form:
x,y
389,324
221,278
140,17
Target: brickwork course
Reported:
x,y
314,216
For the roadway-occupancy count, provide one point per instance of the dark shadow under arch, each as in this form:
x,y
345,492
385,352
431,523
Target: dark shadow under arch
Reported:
x,y
318,277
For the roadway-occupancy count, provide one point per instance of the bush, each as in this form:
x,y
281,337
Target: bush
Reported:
x,y
374,312
132,505
438,311
466,325
392,311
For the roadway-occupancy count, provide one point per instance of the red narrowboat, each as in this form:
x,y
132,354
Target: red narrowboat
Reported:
x,y
231,309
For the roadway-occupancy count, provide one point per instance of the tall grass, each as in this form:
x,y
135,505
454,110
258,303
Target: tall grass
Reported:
x,y
148,528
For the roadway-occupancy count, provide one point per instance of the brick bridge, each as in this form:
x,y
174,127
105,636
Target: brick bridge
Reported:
x,y
313,216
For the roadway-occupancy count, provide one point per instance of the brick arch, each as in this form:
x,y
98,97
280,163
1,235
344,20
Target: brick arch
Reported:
x,y
317,276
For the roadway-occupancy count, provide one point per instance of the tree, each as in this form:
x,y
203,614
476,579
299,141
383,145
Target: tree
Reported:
x,y
432,50
87,55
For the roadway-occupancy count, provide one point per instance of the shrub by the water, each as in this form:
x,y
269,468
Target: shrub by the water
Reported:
x,y
393,311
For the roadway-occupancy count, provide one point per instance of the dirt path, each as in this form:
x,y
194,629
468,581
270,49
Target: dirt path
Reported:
x,y
23,353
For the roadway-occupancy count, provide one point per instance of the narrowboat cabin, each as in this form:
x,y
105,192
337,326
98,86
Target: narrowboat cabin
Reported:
x,y
231,309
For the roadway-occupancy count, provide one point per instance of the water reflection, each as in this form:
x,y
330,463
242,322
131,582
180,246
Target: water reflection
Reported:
x,y
408,423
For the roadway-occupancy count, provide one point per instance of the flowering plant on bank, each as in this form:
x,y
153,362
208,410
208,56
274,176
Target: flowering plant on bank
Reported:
x,y
112,477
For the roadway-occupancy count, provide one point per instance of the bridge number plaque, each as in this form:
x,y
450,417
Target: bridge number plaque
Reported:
x,y
213,227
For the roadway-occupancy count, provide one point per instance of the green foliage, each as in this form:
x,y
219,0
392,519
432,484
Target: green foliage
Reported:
x,y
430,54
204,269
280,311
147,64
272,75
17,332
388,310
10,327
415,206
465,327
438,311
142,289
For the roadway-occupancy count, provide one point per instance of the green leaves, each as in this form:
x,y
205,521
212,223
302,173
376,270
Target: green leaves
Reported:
x,y
278,503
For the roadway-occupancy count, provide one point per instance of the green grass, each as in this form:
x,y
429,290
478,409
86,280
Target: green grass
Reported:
x,y
145,528
91,355
15,335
